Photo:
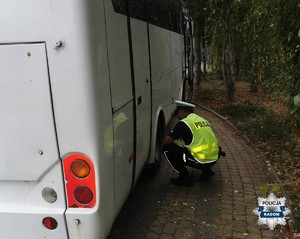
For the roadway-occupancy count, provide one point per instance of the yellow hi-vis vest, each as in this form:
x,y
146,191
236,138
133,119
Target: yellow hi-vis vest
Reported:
x,y
204,146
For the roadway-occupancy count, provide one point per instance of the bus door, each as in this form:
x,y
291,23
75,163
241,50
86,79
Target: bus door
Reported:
x,y
123,114
30,166
142,81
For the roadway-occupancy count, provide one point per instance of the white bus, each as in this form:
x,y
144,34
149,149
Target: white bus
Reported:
x,y
86,90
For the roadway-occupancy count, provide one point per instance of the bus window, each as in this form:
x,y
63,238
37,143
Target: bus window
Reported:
x,y
120,6
165,14
157,13
137,9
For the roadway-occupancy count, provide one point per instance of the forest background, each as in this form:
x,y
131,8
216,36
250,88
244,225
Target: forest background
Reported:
x,y
249,51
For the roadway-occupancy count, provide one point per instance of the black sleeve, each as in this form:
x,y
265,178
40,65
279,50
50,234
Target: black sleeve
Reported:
x,y
182,131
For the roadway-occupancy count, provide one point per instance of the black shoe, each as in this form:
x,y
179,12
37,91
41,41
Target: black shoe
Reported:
x,y
206,175
182,181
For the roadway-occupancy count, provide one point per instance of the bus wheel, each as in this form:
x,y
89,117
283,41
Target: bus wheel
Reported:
x,y
158,150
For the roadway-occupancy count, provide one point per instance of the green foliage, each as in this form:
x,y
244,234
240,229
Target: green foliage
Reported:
x,y
297,101
266,39
295,112
295,117
270,188
288,29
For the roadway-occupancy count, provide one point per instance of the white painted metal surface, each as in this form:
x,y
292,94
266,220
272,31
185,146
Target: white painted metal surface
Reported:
x,y
65,79
28,138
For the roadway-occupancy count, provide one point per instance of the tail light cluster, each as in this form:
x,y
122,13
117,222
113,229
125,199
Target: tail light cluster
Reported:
x,y
80,177
50,223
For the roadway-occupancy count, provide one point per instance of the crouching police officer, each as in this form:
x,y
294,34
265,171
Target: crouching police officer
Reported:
x,y
199,146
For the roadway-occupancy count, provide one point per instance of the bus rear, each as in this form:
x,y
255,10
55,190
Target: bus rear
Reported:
x,y
31,178
50,125
86,89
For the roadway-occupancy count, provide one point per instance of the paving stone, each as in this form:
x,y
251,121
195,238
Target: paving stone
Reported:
x,y
221,208
169,228
166,236
157,229
152,235
184,234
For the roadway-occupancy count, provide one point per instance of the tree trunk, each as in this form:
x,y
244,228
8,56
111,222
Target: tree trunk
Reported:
x,y
229,67
295,90
204,53
197,51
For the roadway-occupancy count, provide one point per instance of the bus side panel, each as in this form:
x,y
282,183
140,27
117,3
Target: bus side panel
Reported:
x,y
143,91
122,102
160,51
123,154
167,65
119,58
167,78
177,43
85,117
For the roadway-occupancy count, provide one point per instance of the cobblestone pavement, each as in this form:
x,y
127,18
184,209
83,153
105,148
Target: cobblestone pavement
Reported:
x,y
219,208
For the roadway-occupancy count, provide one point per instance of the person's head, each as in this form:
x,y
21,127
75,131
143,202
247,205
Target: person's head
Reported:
x,y
183,109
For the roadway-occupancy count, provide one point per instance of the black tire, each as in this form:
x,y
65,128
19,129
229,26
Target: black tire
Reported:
x,y
154,167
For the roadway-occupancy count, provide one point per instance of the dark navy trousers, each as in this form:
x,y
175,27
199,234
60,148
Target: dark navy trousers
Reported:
x,y
180,157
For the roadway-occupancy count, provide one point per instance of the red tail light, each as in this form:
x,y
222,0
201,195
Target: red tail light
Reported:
x,y
80,177
50,223
83,195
